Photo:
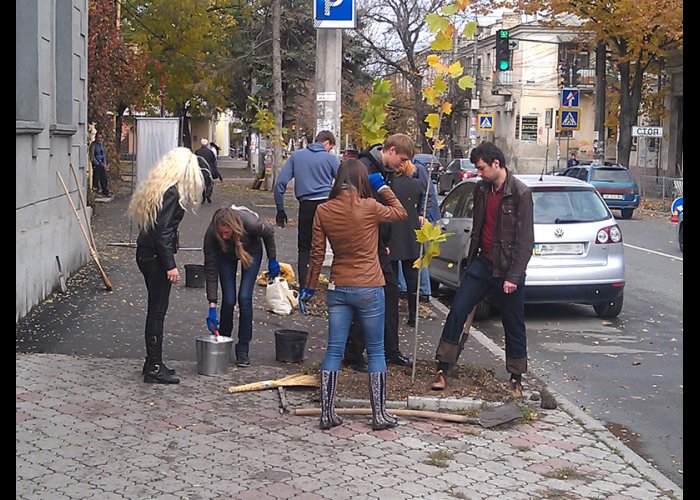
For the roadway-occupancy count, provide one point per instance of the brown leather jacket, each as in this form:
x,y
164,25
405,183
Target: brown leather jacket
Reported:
x,y
350,223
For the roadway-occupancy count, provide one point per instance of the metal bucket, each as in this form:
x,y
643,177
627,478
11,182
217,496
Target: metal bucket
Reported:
x,y
194,275
213,355
290,345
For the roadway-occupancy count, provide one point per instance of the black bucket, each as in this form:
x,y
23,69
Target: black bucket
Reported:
x,y
290,345
194,275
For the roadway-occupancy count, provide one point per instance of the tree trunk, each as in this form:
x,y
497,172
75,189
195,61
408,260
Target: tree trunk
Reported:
x,y
277,105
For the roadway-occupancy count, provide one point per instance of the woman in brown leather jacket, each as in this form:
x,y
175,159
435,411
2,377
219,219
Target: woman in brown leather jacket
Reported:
x,y
350,219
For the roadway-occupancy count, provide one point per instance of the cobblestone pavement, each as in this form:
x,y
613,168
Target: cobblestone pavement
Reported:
x,y
88,427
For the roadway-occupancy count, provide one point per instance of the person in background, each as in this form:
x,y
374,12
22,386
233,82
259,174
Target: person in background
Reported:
x,y
403,247
433,215
236,234
384,159
158,206
98,158
572,161
349,220
500,247
210,157
313,170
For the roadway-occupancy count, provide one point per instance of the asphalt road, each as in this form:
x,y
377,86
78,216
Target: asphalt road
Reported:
x,y
627,372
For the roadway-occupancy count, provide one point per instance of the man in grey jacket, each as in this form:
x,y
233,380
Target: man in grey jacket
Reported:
x,y
313,169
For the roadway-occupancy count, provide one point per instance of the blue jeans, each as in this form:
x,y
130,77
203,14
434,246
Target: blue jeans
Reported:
x,y
476,283
368,304
227,278
425,289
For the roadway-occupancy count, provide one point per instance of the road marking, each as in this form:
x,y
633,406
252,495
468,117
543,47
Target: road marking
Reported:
x,y
654,252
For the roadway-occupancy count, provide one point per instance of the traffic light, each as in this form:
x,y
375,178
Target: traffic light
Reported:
x,y
503,50
563,73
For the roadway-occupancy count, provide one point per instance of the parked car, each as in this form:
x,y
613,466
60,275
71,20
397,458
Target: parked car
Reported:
x,y
349,153
680,231
458,170
577,257
427,159
614,182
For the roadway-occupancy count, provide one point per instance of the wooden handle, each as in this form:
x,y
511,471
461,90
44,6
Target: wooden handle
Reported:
x,y
400,412
83,205
93,251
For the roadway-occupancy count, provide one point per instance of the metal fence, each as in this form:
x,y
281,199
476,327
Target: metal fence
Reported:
x,y
664,189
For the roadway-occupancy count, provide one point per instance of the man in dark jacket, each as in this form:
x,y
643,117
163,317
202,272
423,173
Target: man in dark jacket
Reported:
x,y
313,170
500,248
397,148
210,157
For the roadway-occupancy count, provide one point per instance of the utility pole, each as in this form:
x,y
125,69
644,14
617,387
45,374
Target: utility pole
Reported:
x,y
329,44
599,125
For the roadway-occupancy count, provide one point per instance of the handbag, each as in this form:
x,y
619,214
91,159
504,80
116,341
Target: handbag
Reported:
x,y
279,299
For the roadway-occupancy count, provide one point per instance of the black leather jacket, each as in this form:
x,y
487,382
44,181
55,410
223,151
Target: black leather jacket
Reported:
x,y
514,234
162,239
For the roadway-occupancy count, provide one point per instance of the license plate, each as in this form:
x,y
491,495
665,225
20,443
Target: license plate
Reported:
x,y
558,249
613,197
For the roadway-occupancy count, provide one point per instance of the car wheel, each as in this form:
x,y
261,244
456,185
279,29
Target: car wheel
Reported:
x,y
483,310
610,309
627,213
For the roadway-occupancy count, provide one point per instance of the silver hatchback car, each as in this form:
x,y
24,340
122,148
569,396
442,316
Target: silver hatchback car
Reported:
x,y
578,254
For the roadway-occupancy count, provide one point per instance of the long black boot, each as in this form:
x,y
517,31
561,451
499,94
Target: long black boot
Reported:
x,y
377,394
411,309
155,369
329,383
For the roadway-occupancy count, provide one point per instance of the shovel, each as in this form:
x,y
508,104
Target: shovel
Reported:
x,y
61,277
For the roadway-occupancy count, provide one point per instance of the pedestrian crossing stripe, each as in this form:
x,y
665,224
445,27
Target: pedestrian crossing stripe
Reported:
x,y
486,122
569,119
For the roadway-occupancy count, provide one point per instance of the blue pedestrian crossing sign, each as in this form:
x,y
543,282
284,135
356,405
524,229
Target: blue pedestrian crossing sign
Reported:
x,y
334,14
569,98
569,118
486,123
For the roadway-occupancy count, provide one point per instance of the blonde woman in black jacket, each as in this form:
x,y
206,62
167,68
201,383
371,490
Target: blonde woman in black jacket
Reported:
x,y
158,206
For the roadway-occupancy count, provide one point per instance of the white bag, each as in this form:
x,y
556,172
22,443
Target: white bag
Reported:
x,y
279,298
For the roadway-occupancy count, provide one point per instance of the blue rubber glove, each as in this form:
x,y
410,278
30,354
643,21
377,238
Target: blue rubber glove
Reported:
x,y
376,180
304,297
273,268
212,324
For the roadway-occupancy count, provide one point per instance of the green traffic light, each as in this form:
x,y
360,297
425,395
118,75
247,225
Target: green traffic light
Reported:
x,y
503,65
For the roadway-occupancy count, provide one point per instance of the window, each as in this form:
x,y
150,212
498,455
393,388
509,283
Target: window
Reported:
x,y
573,205
451,203
466,209
27,66
64,67
528,129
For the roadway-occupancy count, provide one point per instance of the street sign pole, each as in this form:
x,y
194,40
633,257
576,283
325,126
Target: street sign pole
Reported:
x,y
328,96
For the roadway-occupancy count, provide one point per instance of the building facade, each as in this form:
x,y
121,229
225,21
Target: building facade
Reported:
x,y
51,135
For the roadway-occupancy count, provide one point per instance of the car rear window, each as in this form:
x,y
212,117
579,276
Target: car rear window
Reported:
x,y
568,205
610,175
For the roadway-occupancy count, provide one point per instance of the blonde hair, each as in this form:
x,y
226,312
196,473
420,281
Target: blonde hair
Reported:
x,y
179,168
407,168
230,218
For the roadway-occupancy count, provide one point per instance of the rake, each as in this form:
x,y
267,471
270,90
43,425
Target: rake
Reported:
x,y
296,380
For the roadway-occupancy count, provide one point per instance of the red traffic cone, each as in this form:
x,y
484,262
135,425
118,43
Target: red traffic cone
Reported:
x,y
674,217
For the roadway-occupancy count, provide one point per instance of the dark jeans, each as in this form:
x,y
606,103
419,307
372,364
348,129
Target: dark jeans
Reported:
x,y
158,288
99,179
227,278
307,210
355,345
476,284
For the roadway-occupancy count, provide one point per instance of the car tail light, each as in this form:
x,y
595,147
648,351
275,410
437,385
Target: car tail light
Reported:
x,y
465,175
610,234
